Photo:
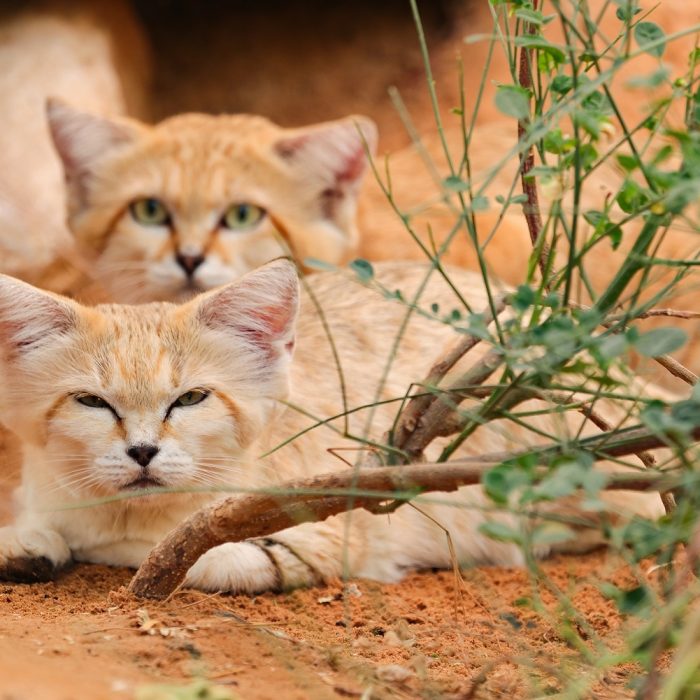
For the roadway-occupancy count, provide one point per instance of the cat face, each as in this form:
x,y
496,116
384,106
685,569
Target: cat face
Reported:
x,y
197,201
116,399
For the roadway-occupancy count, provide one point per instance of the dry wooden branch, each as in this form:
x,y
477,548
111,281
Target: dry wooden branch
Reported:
x,y
255,515
416,408
431,423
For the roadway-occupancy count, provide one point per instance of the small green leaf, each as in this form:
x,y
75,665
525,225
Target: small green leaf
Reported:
x,y
529,41
455,184
635,601
363,269
628,163
533,16
650,38
480,203
513,101
612,346
594,217
631,197
552,533
562,84
501,532
660,341
523,298
597,102
627,11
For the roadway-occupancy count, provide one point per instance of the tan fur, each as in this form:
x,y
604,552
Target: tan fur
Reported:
x,y
305,180
235,343
63,50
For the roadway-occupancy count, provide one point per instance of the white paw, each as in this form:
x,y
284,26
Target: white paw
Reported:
x,y
31,555
239,567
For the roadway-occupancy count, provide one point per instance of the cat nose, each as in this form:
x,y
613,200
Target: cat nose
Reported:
x,y
142,454
189,263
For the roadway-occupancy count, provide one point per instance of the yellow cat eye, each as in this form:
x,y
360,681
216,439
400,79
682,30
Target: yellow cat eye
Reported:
x,y
92,401
149,212
190,398
241,217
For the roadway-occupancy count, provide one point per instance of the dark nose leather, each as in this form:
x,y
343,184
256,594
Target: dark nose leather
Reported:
x,y
189,263
142,454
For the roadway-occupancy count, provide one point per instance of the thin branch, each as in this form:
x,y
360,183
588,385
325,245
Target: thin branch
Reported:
x,y
531,208
651,313
677,369
416,408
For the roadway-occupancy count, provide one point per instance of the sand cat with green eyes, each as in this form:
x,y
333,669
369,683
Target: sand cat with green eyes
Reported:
x,y
192,203
110,401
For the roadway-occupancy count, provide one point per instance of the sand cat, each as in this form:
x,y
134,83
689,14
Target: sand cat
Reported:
x,y
164,211
68,50
111,401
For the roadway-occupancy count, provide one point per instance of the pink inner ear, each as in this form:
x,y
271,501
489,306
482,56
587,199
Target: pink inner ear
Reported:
x,y
266,325
337,153
354,166
288,148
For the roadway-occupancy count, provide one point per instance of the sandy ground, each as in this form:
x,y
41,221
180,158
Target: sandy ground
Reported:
x,y
430,636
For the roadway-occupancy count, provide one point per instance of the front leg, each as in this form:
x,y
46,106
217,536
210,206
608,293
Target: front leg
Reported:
x,y
351,544
31,555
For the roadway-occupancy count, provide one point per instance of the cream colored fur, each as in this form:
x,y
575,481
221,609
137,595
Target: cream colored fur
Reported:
x,y
64,50
197,166
236,344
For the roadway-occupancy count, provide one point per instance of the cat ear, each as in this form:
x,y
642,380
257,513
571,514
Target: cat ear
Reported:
x,y
260,308
336,153
29,317
81,139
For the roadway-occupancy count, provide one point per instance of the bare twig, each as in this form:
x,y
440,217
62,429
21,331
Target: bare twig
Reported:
x,y
532,208
416,408
677,369
429,425
652,313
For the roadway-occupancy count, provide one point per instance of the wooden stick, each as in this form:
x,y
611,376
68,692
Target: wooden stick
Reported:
x,y
256,515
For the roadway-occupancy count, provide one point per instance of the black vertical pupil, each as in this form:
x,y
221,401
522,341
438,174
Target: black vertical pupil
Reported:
x,y
151,207
242,212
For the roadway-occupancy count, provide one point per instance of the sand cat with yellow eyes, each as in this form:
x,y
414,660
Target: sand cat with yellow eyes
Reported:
x,y
111,401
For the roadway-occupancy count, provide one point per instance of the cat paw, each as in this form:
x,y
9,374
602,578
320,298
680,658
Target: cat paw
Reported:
x,y
31,556
239,567
250,567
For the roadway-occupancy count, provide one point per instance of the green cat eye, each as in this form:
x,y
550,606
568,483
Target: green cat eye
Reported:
x,y
92,401
149,212
190,398
241,217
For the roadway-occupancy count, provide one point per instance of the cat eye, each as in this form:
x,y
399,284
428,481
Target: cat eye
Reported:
x,y
190,398
241,217
149,212
92,401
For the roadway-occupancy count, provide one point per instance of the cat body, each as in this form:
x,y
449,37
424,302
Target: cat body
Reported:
x,y
113,400
67,50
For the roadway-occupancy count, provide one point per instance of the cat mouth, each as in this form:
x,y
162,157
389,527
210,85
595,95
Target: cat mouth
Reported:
x,y
143,483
